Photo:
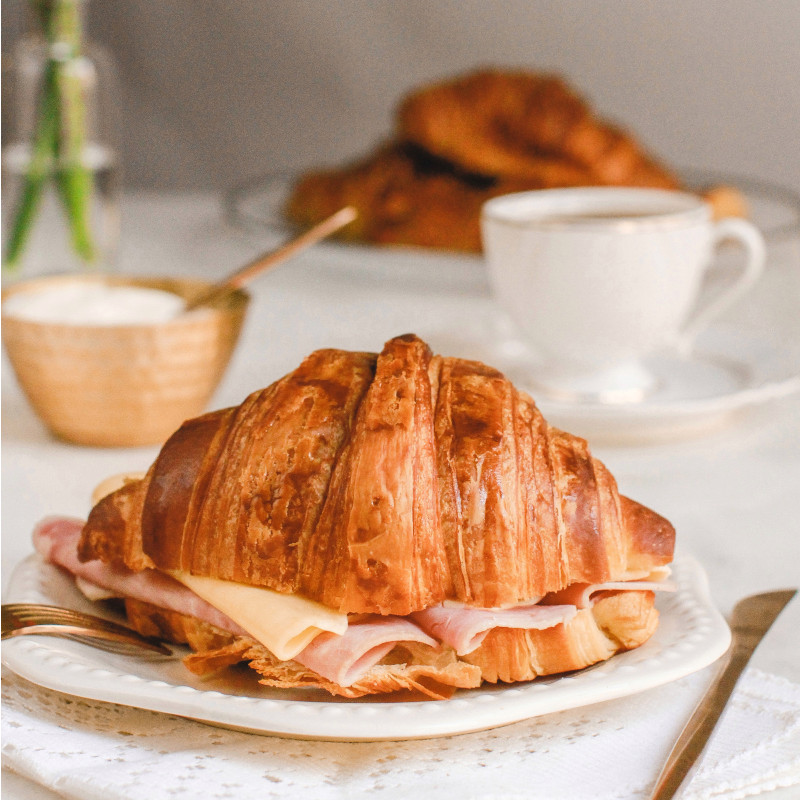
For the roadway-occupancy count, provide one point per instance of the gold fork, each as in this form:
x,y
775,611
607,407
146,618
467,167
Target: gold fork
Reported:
x,y
23,619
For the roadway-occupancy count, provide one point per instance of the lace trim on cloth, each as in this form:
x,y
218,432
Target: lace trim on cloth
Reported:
x,y
84,750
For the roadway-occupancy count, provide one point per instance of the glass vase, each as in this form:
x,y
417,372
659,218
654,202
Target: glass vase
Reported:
x,y
60,171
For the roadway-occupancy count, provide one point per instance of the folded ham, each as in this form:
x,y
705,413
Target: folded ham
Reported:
x,y
422,497
346,658
56,539
580,595
464,629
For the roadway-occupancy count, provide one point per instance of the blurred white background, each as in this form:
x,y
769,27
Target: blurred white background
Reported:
x,y
219,92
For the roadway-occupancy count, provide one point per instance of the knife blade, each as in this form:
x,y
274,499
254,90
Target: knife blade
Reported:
x,y
751,619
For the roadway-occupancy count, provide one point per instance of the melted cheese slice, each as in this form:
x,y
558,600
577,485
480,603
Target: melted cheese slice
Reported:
x,y
284,623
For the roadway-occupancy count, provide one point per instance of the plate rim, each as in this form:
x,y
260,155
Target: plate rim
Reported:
x,y
43,662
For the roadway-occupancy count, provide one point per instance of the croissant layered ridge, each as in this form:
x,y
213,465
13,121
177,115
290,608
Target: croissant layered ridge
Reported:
x,y
382,484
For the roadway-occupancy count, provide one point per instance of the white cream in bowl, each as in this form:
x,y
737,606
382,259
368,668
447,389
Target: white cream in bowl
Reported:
x,y
93,304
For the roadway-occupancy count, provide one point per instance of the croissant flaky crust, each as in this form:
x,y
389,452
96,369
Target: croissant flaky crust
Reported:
x,y
618,621
418,668
384,484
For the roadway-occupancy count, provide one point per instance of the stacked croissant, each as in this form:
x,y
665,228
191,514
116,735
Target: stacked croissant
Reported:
x,y
463,141
432,529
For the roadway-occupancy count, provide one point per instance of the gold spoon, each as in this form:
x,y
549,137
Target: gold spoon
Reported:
x,y
274,257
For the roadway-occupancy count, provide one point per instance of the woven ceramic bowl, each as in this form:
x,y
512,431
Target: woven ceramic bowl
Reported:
x,y
123,385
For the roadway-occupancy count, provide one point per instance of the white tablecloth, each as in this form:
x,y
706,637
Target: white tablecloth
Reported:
x,y
731,494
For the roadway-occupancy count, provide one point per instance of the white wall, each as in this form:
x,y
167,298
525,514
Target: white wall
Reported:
x,y
217,92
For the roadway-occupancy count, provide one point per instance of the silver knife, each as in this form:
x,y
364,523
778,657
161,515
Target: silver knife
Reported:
x,y
752,618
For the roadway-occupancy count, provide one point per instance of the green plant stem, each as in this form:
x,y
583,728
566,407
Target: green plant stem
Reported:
x,y
60,137
73,178
38,170
64,25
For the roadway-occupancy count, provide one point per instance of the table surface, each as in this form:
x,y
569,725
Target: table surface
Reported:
x,y
731,492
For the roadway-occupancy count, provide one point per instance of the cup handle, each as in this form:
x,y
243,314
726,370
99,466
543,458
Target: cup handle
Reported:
x,y
753,242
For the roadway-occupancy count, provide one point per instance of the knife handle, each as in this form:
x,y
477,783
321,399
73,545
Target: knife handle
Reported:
x,y
686,750
752,618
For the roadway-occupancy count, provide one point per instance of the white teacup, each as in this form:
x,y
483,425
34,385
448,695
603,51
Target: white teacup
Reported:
x,y
598,278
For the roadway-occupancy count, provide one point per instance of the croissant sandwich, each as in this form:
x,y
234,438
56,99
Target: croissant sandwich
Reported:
x,y
374,523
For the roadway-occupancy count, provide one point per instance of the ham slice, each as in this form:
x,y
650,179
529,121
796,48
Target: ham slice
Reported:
x,y
344,659
466,627
581,594
91,591
56,539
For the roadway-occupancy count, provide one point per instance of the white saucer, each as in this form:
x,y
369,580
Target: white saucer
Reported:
x,y
728,371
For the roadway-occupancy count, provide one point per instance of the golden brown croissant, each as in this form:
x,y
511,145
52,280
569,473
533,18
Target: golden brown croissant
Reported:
x,y
525,125
404,196
394,484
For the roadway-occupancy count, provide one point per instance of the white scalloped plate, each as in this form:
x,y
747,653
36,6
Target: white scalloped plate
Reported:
x,y
691,635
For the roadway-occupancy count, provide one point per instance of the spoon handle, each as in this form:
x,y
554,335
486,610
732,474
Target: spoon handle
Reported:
x,y
274,257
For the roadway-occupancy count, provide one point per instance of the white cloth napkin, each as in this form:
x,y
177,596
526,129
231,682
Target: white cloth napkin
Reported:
x,y
608,751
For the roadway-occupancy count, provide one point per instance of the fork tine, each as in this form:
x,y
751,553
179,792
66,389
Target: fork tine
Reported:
x,y
21,617
124,647
32,612
107,640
